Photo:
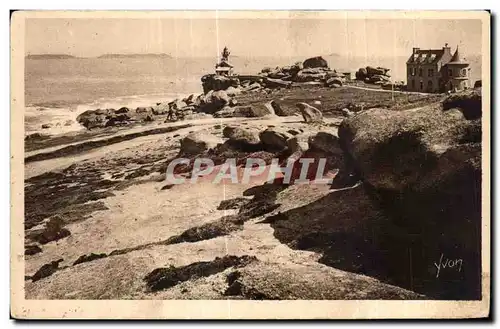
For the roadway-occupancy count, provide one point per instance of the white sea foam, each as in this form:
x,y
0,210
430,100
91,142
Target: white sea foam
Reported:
x,y
63,119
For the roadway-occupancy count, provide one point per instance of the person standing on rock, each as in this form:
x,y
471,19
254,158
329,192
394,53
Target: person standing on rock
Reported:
x,y
170,115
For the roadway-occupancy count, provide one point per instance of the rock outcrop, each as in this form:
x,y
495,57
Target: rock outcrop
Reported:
x,y
217,82
281,109
46,270
31,249
240,135
314,62
198,142
214,101
423,167
468,102
275,138
375,75
245,111
310,113
272,281
313,71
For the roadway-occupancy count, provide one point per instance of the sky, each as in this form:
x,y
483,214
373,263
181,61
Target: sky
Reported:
x,y
201,37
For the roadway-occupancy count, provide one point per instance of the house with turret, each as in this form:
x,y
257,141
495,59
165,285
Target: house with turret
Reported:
x,y
437,70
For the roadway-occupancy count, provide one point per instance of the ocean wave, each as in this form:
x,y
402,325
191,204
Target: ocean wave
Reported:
x,y
60,119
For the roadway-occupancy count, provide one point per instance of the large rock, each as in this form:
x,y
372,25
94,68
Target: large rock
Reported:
x,y
177,104
198,142
277,83
396,150
161,108
245,135
469,102
299,143
92,119
293,280
423,168
281,109
310,113
376,71
244,111
218,82
275,138
308,77
214,101
118,119
315,62
242,137
326,142
334,82
378,78
361,74
122,110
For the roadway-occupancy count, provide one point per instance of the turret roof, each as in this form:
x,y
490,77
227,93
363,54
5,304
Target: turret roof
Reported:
x,y
455,59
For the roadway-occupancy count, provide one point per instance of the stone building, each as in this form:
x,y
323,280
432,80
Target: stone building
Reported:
x,y
437,70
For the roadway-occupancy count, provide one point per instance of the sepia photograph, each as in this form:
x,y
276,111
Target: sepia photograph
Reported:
x,y
250,164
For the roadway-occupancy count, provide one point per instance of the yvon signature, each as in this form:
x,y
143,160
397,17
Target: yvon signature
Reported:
x,y
448,263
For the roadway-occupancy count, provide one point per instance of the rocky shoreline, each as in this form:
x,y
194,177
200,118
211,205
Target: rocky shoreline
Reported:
x,y
101,222
219,91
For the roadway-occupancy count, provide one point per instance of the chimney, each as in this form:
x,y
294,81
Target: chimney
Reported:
x,y
447,49
415,50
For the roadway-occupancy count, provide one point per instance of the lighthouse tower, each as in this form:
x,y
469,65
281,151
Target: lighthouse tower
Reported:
x,y
457,73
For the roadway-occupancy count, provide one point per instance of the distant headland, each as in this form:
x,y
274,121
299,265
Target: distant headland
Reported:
x,y
105,56
135,56
50,56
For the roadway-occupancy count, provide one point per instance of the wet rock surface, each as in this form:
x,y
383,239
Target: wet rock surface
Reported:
x,y
163,278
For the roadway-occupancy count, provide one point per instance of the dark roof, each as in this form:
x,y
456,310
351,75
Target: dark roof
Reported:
x,y
456,58
224,64
429,56
220,68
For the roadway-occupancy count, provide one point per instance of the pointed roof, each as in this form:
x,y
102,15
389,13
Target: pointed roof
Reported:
x,y
456,58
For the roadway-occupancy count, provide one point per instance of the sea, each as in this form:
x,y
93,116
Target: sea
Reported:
x,y
58,90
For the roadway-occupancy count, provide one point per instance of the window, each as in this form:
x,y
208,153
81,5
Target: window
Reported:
x,y
450,72
413,84
420,71
431,72
421,85
429,85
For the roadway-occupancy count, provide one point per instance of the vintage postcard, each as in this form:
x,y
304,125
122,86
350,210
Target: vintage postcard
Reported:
x,y
250,164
